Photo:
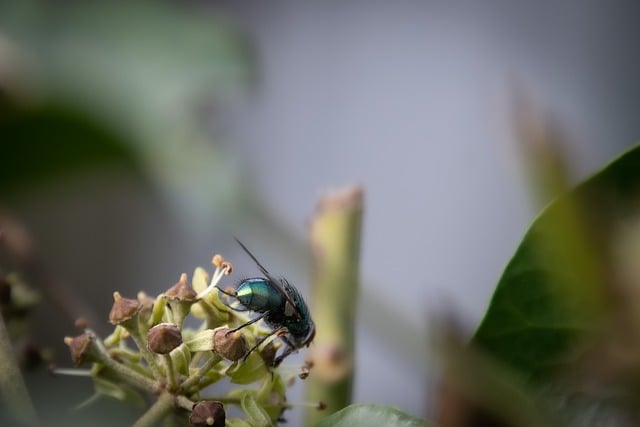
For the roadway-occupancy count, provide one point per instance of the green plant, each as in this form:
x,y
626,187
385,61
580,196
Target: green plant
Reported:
x,y
174,364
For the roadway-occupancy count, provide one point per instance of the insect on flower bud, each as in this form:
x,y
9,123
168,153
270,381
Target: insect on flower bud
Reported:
x,y
232,346
79,347
123,309
208,413
163,338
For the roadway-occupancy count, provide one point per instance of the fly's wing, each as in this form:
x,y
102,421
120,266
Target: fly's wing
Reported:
x,y
274,280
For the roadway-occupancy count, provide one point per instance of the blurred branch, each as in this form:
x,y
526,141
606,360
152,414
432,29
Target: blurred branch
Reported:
x,y
12,387
476,391
335,242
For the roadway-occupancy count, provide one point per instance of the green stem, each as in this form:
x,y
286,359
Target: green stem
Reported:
x,y
159,409
127,374
141,343
171,377
335,247
202,370
13,390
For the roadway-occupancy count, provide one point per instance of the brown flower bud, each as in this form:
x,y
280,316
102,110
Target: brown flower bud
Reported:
x,y
146,302
79,347
231,346
181,291
208,413
163,338
123,309
268,352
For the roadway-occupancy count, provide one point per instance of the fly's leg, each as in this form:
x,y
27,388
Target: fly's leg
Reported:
x,y
278,332
250,322
290,348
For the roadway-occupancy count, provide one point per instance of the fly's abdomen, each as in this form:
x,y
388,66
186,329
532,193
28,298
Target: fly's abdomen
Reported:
x,y
259,295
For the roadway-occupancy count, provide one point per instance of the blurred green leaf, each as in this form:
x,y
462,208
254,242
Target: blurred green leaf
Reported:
x,y
237,422
89,83
51,143
371,415
256,415
552,294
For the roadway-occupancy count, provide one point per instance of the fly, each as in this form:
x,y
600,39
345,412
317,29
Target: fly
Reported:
x,y
280,305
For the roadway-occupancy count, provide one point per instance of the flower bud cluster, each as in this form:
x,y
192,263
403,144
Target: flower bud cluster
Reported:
x,y
151,352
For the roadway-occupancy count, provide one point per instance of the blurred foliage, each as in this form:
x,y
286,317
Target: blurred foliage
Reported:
x,y
86,84
49,143
531,321
371,415
563,317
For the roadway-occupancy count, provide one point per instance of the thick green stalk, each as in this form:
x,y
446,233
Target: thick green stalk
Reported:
x,y
335,246
15,397
157,411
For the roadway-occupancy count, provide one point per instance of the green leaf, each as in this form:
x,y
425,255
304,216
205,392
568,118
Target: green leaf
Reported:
x,y
52,142
256,415
371,415
118,391
237,422
552,294
248,371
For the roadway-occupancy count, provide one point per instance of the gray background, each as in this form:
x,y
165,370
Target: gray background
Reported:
x,y
411,99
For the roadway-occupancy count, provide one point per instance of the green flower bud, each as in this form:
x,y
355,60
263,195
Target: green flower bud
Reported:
x,y
158,309
202,341
181,357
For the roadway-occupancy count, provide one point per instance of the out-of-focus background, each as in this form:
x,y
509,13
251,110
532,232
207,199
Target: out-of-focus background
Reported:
x,y
135,141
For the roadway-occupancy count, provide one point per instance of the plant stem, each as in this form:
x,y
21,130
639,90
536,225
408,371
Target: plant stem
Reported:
x,y
171,377
335,247
141,343
158,410
196,376
126,373
13,390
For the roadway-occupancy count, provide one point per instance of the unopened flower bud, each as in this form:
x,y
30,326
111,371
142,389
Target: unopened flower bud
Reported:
x,y
146,305
208,413
268,352
79,347
180,298
231,346
123,309
163,338
181,291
